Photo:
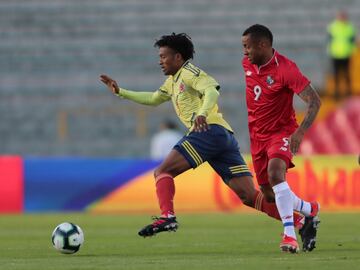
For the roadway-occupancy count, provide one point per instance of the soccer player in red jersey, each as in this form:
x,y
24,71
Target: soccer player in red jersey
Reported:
x,y
271,81
194,95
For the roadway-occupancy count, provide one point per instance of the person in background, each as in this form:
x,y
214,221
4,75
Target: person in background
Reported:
x,y
163,142
342,43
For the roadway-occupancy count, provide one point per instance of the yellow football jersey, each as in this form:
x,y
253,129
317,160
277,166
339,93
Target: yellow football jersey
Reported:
x,y
186,90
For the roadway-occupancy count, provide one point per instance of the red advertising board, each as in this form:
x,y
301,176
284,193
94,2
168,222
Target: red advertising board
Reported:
x,y
11,184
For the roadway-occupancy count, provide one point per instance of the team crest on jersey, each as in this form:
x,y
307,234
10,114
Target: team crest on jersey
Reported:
x,y
269,80
248,73
182,87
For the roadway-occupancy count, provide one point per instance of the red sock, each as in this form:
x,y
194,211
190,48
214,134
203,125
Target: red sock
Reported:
x,y
165,190
262,205
271,210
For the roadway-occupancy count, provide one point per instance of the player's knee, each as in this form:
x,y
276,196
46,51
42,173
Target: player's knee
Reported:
x,y
276,171
160,171
275,176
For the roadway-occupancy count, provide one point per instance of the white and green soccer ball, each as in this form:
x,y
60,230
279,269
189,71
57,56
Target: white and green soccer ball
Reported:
x,y
67,238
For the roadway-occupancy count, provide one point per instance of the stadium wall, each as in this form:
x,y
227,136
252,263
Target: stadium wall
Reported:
x,y
30,184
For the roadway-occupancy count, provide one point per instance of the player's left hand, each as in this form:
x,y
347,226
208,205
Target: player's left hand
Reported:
x,y
295,141
200,124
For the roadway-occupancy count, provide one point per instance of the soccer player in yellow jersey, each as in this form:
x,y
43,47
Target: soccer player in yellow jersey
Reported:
x,y
194,95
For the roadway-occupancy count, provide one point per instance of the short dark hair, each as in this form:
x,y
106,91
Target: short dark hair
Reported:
x,y
258,31
180,43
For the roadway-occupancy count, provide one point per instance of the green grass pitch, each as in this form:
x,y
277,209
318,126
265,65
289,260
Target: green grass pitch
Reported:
x,y
204,241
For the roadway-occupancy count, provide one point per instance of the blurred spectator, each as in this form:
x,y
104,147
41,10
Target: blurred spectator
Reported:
x,y
341,46
163,141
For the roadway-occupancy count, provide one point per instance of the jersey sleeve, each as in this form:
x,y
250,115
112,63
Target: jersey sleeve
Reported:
x,y
148,98
145,98
293,78
210,100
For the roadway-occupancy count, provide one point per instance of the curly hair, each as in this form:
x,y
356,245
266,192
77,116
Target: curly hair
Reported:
x,y
180,43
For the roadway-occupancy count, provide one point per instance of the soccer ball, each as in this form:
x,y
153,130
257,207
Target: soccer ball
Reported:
x,y
67,238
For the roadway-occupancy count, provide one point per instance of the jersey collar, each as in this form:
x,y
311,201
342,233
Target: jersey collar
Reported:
x,y
177,74
273,60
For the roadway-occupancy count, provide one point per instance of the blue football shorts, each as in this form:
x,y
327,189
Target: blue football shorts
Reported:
x,y
218,147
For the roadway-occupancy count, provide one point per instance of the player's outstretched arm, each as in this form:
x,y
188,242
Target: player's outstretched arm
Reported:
x,y
145,98
312,100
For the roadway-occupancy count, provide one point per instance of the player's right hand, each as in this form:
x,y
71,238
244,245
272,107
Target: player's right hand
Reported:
x,y
111,84
200,124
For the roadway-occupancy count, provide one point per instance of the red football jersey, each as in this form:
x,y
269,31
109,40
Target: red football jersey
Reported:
x,y
270,90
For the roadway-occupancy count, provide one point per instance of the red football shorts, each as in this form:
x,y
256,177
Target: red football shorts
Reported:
x,y
262,151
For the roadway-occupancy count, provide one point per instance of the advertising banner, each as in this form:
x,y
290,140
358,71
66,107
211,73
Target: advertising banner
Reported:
x,y
334,181
127,185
